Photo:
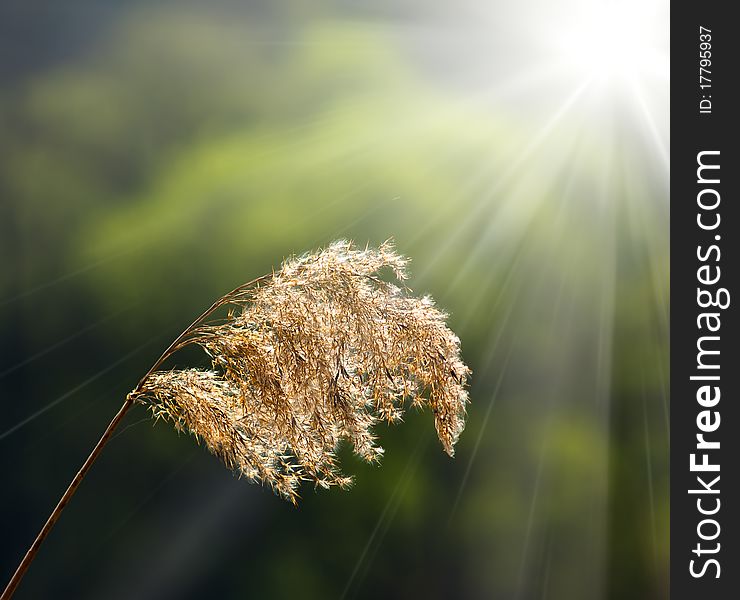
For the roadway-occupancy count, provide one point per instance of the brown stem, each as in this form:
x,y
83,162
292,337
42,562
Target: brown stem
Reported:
x,y
178,342
56,513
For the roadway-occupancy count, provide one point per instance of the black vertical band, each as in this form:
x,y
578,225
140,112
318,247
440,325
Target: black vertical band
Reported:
x,y
705,418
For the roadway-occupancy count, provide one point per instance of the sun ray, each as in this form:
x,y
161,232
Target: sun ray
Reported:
x,y
60,343
76,389
384,520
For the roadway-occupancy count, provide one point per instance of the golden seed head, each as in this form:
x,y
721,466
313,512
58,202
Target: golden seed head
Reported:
x,y
320,352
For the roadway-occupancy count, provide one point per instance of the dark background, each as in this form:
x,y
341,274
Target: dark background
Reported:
x,y
695,132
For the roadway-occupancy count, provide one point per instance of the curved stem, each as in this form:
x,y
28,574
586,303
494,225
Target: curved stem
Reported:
x,y
67,496
177,343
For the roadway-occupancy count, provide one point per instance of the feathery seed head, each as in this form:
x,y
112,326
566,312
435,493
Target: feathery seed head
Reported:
x,y
319,352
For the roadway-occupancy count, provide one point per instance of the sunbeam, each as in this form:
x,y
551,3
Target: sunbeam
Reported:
x,y
76,389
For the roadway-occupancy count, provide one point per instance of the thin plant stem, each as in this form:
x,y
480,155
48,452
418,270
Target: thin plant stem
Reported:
x,y
67,496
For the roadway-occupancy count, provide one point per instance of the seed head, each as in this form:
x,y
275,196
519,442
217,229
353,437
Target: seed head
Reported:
x,y
316,353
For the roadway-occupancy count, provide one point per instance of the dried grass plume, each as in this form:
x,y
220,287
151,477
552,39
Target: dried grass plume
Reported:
x,y
310,355
313,354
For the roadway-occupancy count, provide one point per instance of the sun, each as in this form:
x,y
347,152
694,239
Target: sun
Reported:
x,y
612,43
